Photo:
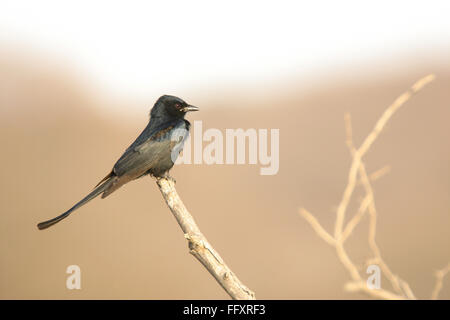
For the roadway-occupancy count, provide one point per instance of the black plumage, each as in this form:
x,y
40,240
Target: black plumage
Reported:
x,y
154,151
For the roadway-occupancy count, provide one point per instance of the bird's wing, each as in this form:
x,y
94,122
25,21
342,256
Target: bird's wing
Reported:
x,y
142,156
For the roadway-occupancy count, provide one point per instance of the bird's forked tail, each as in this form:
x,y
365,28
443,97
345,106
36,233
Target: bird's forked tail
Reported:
x,y
97,191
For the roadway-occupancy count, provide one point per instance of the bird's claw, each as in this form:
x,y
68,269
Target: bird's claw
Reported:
x,y
170,178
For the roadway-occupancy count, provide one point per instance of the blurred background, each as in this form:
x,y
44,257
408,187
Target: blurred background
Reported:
x,y
77,80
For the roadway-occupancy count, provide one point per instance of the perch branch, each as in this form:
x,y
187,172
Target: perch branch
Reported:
x,y
199,246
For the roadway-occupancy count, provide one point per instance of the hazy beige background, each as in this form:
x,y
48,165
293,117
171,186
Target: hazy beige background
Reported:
x,y
57,142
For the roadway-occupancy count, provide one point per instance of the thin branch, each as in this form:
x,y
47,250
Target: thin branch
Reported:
x,y
374,176
342,232
440,275
321,232
361,286
398,284
365,146
351,225
199,246
346,261
399,102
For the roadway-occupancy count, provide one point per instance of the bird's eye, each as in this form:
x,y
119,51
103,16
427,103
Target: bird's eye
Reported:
x,y
177,105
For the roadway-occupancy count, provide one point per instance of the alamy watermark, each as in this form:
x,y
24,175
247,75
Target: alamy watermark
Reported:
x,y
74,280
236,146
374,280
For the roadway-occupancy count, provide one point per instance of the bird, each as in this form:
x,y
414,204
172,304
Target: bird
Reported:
x,y
153,153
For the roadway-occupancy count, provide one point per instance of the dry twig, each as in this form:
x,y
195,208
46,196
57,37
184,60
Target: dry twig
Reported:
x,y
199,247
342,231
440,275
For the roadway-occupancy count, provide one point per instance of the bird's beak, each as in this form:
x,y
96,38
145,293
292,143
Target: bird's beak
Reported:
x,y
190,108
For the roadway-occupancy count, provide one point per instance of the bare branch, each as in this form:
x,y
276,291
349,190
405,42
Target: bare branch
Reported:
x,y
440,275
374,176
199,246
321,232
346,261
396,282
399,102
351,225
342,232
370,139
361,286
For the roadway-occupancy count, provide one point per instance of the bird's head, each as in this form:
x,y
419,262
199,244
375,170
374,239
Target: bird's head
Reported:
x,y
171,106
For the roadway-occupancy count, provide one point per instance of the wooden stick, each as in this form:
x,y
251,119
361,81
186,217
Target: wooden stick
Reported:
x,y
199,246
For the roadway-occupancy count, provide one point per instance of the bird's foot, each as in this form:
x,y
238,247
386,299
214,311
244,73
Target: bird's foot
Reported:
x,y
170,178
